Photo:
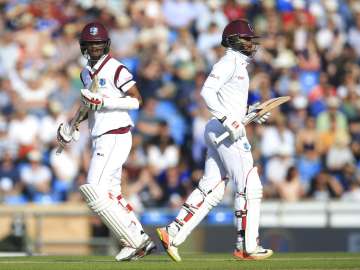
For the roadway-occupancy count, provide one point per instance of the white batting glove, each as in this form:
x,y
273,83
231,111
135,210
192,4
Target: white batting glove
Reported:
x,y
93,101
261,119
65,136
235,128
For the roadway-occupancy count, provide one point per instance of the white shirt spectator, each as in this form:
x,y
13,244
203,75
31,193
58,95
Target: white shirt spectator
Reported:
x,y
278,166
179,13
24,129
66,166
209,39
33,177
272,140
354,37
211,13
163,159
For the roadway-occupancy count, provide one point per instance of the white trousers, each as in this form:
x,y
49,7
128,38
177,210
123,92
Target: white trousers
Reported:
x,y
227,160
109,153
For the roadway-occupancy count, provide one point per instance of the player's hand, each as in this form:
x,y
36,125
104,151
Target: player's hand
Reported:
x,y
261,119
93,101
235,128
65,136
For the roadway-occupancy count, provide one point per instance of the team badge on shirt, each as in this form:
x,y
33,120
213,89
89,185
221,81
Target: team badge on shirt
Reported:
x,y
246,146
102,82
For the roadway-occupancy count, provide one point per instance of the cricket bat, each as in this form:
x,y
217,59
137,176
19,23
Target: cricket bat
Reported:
x,y
80,114
262,109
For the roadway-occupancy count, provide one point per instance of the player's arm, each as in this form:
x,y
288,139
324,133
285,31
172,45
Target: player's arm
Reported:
x,y
134,93
220,74
123,81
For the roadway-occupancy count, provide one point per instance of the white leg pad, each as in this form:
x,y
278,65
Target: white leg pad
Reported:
x,y
114,216
196,207
116,195
253,195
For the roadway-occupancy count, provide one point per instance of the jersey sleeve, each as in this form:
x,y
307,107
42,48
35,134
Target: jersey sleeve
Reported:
x,y
221,72
123,79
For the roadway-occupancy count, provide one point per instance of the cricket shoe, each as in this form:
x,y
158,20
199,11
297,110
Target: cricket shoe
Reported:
x,y
171,250
260,253
133,254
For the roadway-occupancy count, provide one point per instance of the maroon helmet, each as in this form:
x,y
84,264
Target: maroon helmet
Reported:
x,y
239,36
94,41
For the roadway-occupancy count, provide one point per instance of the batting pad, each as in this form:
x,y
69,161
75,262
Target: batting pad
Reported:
x,y
113,215
253,195
196,207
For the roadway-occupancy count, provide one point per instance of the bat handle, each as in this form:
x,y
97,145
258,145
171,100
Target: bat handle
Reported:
x,y
221,137
59,149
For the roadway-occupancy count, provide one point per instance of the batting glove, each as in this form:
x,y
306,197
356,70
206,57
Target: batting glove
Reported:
x,y
260,119
65,136
93,101
235,128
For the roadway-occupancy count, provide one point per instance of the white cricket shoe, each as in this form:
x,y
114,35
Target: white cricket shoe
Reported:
x,y
260,253
171,250
133,254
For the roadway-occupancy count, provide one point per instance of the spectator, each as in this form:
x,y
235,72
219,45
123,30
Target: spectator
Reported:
x,y
325,187
353,194
321,94
277,137
354,35
64,93
324,120
7,144
173,189
277,168
309,51
65,168
11,189
291,190
162,152
339,154
36,178
148,123
23,130
48,124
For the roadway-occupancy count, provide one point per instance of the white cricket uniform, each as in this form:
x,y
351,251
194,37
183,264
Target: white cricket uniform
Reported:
x,y
225,92
111,145
230,80
109,151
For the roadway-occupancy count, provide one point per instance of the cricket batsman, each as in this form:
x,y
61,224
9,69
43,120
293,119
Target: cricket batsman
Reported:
x,y
109,124
225,93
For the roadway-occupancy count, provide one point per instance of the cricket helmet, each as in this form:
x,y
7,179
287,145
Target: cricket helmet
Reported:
x,y
239,35
94,34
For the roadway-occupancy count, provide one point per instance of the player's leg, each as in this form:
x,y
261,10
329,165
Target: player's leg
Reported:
x,y
238,162
247,212
207,195
127,251
109,153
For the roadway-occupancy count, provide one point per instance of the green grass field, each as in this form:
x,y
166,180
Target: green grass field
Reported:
x,y
190,261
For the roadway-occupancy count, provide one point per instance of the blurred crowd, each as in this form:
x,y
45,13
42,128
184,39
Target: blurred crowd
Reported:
x,y
310,50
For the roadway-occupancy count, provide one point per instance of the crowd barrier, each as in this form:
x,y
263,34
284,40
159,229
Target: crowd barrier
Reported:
x,y
304,226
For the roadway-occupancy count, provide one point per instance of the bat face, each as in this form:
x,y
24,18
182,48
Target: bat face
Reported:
x,y
265,107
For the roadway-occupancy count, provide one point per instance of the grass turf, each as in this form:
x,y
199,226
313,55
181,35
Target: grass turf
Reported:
x,y
190,261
